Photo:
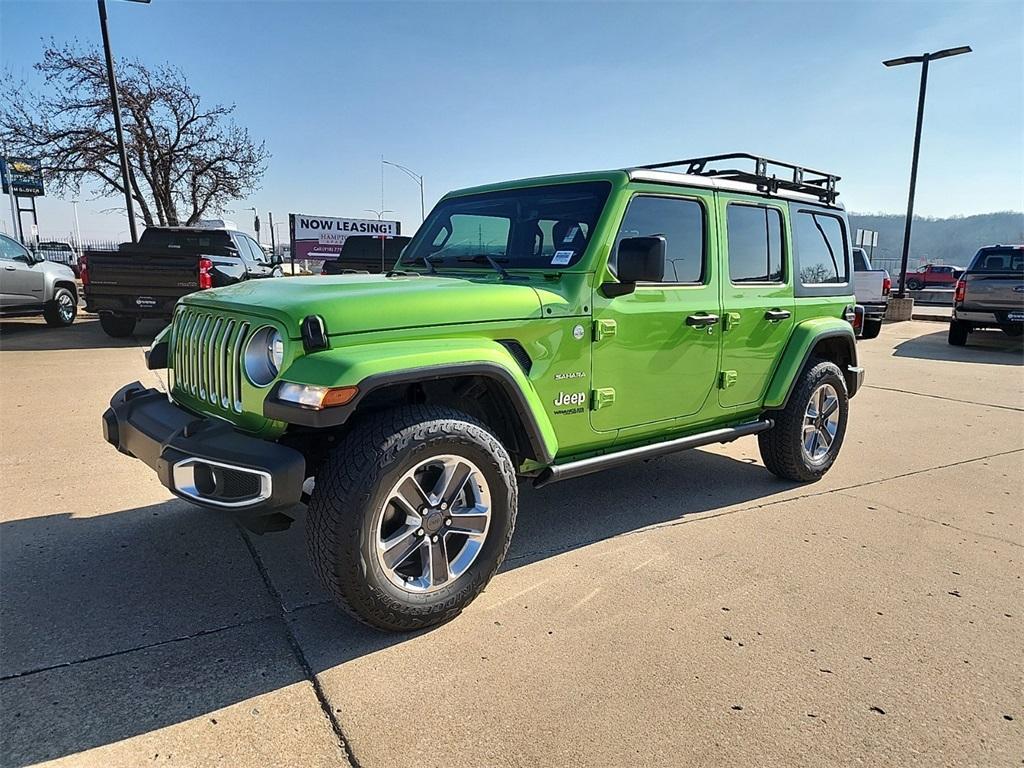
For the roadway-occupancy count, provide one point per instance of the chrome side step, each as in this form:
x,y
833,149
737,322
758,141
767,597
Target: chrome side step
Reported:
x,y
571,469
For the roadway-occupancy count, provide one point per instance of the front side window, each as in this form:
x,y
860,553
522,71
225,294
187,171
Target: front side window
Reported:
x,y
528,228
680,222
11,249
821,248
755,243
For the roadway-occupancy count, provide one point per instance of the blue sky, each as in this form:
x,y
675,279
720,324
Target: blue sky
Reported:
x,y
475,92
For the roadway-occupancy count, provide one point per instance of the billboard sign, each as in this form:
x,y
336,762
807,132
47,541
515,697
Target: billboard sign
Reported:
x,y
22,176
321,237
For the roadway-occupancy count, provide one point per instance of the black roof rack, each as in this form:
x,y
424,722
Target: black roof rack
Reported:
x,y
795,178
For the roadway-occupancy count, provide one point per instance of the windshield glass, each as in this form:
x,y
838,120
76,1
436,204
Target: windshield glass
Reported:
x,y
531,228
999,260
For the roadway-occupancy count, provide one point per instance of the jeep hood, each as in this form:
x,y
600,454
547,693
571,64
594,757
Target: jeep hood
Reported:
x,y
360,303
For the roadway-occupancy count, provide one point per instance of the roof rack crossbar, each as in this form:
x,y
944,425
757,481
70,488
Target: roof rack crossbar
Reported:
x,y
820,184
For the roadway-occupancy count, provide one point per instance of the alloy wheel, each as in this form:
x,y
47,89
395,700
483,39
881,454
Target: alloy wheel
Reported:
x,y
821,422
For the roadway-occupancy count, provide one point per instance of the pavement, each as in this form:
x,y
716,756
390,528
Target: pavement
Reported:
x,y
691,610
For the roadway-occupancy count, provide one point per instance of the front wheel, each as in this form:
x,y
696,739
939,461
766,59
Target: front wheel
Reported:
x,y
809,431
411,516
915,285
61,311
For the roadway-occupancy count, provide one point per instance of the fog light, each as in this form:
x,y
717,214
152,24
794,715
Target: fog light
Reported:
x,y
314,396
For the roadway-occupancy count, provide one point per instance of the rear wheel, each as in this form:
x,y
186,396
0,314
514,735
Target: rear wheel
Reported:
x,y
117,326
809,431
411,516
61,311
871,329
958,331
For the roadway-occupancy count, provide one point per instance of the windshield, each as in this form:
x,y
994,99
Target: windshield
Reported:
x,y
998,260
529,228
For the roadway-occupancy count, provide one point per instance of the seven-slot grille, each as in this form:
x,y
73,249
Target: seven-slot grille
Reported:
x,y
207,354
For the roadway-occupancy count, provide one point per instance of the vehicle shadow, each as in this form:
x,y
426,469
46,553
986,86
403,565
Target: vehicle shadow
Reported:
x,y
122,624
988,346
33,334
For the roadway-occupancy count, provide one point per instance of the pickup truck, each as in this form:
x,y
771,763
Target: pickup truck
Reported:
x,y
872,287
363,253
990,294
146,280
934,276
545,328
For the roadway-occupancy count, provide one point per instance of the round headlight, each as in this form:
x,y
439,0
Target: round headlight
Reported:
x,y
264,355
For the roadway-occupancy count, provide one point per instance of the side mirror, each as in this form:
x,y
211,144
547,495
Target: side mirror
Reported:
x,y
639,260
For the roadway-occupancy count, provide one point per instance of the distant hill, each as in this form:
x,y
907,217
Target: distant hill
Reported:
x,y
942,241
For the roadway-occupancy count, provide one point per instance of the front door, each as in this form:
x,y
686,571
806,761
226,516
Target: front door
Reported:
x,y
656,349
757,297
21,283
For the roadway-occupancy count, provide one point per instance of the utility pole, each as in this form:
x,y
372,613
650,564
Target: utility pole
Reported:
x,y
273,240
78,229
923,60
115,104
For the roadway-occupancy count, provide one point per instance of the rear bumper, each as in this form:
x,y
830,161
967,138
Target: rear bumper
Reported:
x,y
991,318
205,461
875,311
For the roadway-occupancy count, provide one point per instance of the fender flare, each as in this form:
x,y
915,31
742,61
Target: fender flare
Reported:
x,y
798,351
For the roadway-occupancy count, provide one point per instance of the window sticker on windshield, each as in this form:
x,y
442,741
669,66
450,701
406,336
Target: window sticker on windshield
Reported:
x,y
561,258
571,234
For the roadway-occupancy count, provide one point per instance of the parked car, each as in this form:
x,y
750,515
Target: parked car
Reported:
x,y
872,289
145,280
547,328
30,285
990,294
60,252
934,276
366,253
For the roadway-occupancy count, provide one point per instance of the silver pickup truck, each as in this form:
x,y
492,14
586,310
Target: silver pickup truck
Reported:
x,y
872,287
30,285
990,294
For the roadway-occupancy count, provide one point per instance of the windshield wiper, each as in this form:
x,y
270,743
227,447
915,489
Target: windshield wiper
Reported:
x,y
484,258
429,262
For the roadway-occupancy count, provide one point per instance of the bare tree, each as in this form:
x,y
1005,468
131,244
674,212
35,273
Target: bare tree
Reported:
x,y
185,160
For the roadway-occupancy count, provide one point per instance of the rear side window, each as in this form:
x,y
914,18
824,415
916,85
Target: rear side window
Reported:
x,y
998,260
821,248
680,222
755,244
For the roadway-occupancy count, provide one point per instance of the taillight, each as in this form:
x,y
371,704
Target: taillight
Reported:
x,y
886,285
205,278
83,270
960,292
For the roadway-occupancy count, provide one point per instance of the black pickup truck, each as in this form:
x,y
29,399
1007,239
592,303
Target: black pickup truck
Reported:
x,y
145,280
366,253
990,294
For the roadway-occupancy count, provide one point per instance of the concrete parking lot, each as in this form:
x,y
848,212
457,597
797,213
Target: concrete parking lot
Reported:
x,y
692,610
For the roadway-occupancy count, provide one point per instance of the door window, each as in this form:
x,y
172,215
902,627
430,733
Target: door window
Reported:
x,y
11,250
755,243
680,222
821,248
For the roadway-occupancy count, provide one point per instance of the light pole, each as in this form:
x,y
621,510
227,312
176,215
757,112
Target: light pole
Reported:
x,y
923,60
78,229
380,217
415,177
256,222
115,104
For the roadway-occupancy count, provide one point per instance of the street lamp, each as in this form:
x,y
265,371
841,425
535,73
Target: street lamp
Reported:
x,y
116,106
380,217
923,60
256,222
415,177
78,229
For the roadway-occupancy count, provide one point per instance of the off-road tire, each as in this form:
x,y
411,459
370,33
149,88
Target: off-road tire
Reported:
x,y
355,479
781,446
871,329
117,326
958,332
52,311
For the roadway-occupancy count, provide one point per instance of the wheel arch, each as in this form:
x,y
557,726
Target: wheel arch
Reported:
x,y
829,339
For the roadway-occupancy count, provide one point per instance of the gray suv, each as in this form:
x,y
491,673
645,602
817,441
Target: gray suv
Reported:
x,y
29,285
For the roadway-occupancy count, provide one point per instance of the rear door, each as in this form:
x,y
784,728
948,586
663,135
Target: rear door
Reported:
x,y
757,296
656,349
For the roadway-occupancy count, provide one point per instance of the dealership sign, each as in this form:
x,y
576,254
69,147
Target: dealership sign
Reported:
x,y
22,176
319,237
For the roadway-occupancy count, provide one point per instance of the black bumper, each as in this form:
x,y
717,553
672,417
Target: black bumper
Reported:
x,y
144,424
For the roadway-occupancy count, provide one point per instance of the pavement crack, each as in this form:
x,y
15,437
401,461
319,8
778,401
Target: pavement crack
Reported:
x,y
942,397
133,649
297,651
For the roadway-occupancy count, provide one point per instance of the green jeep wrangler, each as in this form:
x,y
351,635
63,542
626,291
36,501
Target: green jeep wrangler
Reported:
x,y
545,328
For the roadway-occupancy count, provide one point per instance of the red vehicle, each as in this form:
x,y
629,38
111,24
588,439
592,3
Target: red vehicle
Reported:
x,y
935,276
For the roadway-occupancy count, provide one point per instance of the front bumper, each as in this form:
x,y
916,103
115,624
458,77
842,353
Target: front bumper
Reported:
x,y
203,460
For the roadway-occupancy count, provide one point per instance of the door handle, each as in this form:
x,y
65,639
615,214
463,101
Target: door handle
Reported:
x,y
701,320
775,315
